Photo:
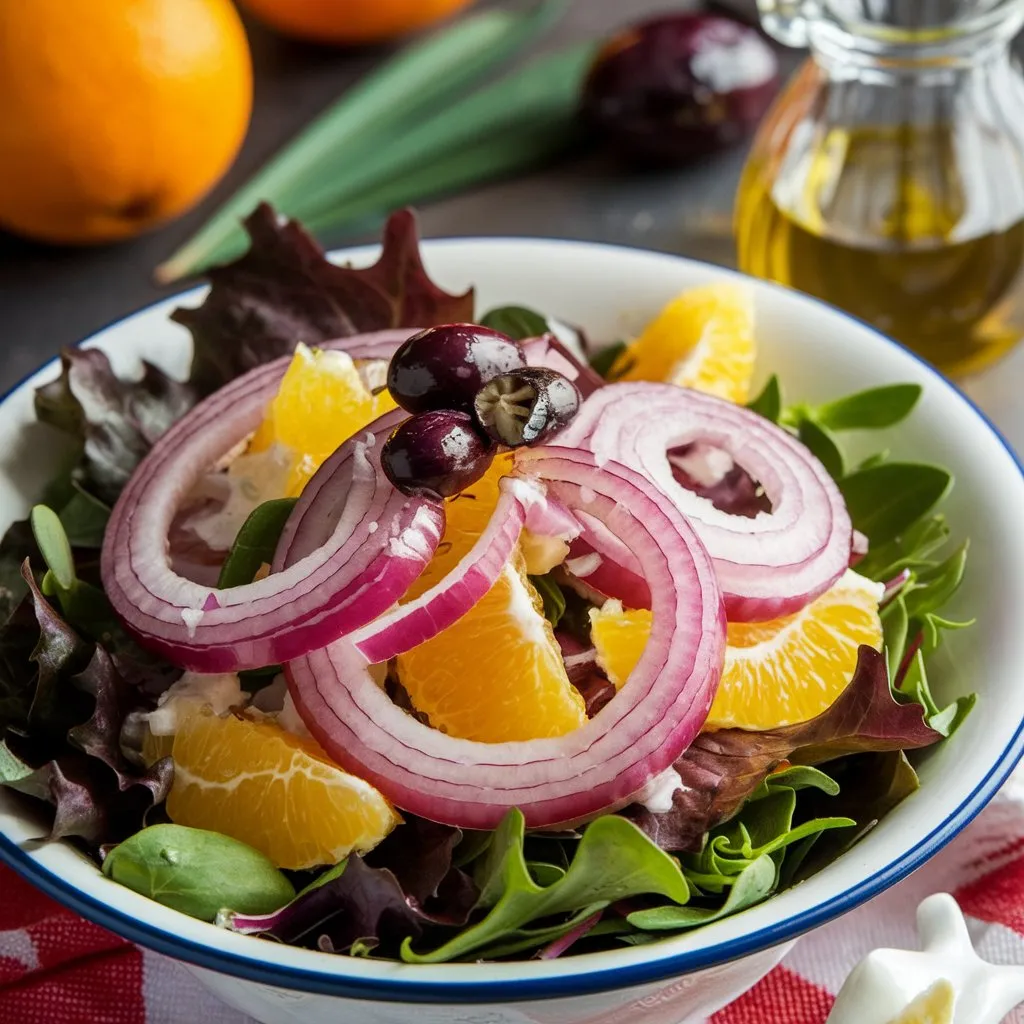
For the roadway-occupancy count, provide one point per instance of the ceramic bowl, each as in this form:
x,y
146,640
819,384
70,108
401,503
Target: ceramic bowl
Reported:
x,y
610,292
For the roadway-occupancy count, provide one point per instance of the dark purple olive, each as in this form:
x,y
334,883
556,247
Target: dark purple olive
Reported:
x,y
679,87
444,367
526,406
436,454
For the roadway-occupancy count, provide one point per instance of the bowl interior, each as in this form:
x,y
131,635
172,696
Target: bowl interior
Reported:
x,y
818,354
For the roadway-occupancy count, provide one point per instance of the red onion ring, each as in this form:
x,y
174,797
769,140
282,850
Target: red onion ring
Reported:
x,y
546,350
602,764
769,565
412,624
350,549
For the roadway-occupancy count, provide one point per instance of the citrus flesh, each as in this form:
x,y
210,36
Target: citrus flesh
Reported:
x,y
776,673
702,339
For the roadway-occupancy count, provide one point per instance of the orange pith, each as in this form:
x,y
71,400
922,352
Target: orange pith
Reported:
x,y
702,339
776,673
277,792
321,402
496,674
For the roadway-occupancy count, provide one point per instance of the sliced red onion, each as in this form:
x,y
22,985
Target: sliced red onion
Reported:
x,y
859,546
412,624
768,565
894,586
598,766
350,549
549,352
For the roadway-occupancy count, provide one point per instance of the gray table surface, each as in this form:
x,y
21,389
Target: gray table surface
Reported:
x,y
51,297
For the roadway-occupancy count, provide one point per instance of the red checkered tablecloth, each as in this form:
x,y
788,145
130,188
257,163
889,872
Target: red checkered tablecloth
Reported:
x,y
56,968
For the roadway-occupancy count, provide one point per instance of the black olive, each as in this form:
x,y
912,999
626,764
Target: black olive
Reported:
x,y
436,454
444,367
679,87
526,406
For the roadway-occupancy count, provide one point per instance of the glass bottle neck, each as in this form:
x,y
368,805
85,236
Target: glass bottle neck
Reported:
x,y
927,56
899,36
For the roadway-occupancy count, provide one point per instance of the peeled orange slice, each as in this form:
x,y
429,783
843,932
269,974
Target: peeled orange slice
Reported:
x,y
776,673
496,674
322,401
273,790
703,339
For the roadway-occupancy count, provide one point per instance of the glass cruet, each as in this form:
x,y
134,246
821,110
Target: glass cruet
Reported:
x,y
888,178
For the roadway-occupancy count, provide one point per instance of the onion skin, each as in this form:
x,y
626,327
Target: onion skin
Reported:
x,y
597,767
768,565
357,566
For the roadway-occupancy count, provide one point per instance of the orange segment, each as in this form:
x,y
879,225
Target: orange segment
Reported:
x,y
776,673
703,339
273,790
497,673
322,402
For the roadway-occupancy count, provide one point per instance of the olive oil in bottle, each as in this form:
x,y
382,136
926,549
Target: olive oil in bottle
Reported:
x,y
880,226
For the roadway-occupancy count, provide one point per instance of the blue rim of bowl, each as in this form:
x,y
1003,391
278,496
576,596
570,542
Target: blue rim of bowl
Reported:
x,y
584,983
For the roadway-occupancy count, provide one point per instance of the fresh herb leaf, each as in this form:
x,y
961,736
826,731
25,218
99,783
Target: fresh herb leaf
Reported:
x,y
819,439
603,361
873,409
911,550
613,861
895,632
284,289
198,872
945,721
54,545
886,500
754,883
256,542
517,322
875,460
932,588
769,402
552,596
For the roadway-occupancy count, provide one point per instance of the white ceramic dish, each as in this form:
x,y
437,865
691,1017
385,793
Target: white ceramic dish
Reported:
x,y
819,353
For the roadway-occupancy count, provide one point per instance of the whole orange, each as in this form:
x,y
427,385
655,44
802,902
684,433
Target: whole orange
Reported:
x,y
350,21
116,115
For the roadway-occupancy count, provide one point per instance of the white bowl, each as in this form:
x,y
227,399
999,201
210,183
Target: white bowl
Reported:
x,y
819,353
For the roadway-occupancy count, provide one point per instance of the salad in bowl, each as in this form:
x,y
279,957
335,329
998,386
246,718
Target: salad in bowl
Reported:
x,y
403,630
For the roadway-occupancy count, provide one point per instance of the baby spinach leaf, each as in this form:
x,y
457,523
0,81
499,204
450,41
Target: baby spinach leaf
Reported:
x,y
603,361
875,460
753,884
256,542
198,872
823,446
553,598
517,322
873,409
613,861
769,402
886,500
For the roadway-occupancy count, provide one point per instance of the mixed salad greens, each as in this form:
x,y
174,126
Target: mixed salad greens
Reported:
x,y
735,815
